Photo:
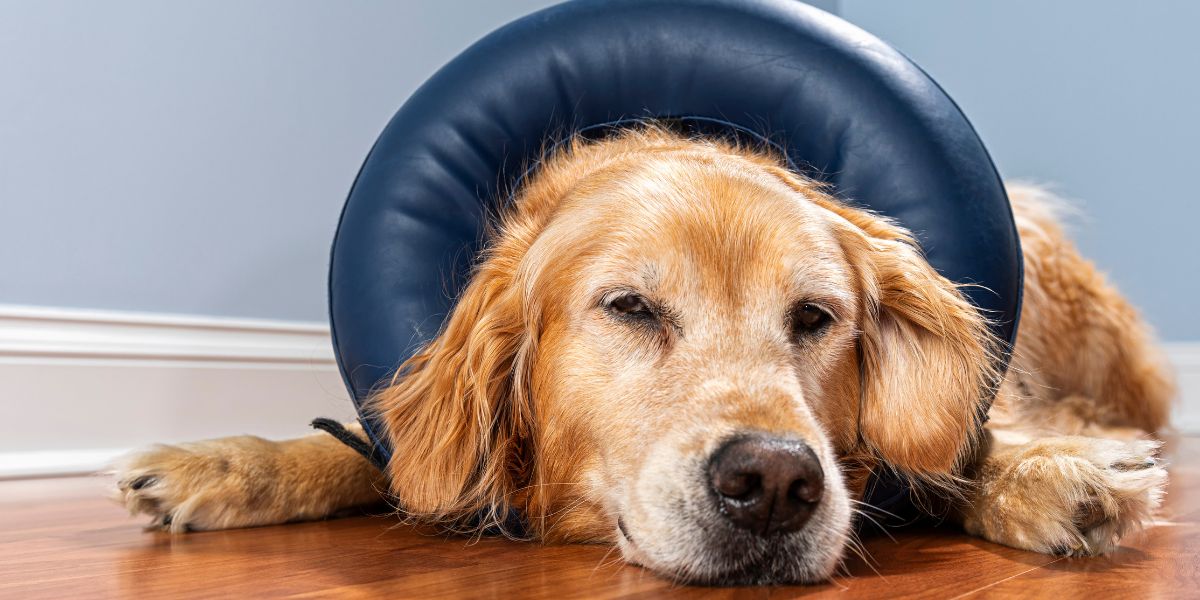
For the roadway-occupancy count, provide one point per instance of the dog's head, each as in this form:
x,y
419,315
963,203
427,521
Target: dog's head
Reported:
x,y
683,348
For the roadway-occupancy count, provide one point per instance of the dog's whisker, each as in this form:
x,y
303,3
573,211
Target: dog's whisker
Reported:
x,y
534,486
834,580
874,508
600,564
856,546
876,523
561,512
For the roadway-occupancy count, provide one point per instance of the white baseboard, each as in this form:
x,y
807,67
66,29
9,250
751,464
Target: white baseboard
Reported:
x,y
1185,358
135,379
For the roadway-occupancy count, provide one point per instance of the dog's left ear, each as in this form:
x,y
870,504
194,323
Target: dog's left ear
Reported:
x,y
926,353
926,358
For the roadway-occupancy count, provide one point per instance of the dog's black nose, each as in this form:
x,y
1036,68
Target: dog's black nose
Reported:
x,y
767,485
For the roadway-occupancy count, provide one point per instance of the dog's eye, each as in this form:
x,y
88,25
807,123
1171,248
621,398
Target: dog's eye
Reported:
x,y
631,306
808,318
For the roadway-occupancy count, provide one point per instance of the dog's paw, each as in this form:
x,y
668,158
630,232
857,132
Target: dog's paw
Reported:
x,y
219,484
1070,495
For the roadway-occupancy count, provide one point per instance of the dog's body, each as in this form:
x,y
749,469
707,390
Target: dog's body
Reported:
x,y
680,347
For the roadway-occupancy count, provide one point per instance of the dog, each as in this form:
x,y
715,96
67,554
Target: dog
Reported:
x,y
679,346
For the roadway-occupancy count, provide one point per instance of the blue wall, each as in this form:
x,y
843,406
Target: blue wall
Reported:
x,y
192,157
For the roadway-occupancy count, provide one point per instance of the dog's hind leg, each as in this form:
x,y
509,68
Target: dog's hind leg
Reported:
x,y
246,481
1083,352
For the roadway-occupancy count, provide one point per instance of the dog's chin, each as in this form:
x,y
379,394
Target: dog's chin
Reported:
x,y
731,559
715,553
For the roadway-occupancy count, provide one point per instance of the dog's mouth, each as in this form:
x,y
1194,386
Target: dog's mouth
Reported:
x,y
731,557
730,562
624,530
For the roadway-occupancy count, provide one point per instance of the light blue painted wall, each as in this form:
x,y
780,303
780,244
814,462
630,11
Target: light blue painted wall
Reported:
x,y
192,157
1100,99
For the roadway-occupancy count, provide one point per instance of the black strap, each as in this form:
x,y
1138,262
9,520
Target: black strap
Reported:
x,y
359,445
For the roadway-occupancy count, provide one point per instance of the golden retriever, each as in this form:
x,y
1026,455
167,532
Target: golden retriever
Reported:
x,y
678,346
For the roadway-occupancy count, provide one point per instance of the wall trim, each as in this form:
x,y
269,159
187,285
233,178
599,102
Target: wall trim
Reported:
x,y
152,378
36,332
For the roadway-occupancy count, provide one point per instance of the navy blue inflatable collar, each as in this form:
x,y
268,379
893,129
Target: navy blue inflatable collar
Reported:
x,y
842,106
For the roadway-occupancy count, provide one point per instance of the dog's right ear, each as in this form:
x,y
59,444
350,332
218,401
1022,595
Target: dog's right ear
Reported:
x,y
456,415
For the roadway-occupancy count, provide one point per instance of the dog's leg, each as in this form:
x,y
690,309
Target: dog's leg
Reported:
x,y
1083,351
1064,494
245,481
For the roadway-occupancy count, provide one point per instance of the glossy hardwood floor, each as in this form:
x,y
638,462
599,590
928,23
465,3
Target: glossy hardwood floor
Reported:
x,y
59,538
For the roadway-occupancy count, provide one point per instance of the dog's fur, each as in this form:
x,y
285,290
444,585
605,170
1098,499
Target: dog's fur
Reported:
x,y
597,424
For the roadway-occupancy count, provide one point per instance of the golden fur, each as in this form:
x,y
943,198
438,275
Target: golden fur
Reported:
x,y
537,396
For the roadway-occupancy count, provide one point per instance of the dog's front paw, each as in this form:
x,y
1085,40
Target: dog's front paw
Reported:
x,y
206,485
1067,495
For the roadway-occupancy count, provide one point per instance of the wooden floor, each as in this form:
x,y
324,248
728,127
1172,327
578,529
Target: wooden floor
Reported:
x,y
59,538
